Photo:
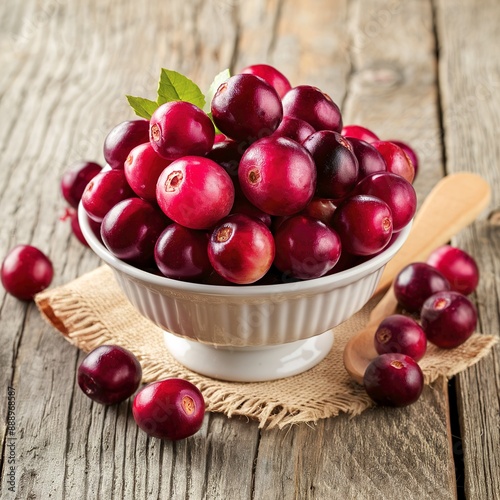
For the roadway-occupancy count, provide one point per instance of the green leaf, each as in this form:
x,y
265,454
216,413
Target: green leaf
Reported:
x,y
142,107
218,80
176,87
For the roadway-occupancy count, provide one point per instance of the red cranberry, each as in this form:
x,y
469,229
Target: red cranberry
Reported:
x,y
369,159
401,334
410,152
336,164
195,192
393,380
277,175
77,231
26,271
448,319
457,266
271,75
241,249
396,159
397,192
295,129
364,224
130,230
75,180
321,209
415,283
122,139
142,169
103,192
228,155
246,108
169,409
181,253
179,128
314,107
243,206
359,132
306,248
109,374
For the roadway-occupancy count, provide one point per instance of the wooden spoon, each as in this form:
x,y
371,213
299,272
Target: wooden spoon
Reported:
x,y
453,204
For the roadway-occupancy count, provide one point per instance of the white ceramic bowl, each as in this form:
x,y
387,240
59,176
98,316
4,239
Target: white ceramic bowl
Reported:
x,y
247,333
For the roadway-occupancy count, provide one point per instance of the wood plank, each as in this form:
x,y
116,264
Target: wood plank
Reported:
x,y
469,87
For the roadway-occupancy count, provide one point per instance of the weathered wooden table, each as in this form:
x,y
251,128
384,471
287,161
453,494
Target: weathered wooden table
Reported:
x,y
422,71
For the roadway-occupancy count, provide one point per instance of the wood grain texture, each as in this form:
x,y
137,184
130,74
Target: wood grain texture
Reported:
x,y
470,86
66,65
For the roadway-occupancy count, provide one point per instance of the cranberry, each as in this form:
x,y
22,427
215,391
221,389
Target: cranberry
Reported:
x,y
415,283
243,206
359,132
181,253
396,159
103,192
75,180
295,129
277,175
169,409
179,128
195,192
336,164
77,231
130,230
448,319
364,224
369,159
122,139
271,75
321,209
393,380
457,266
109,374
398,333
227,154
142,169
313,106
306,248
246,108
410,152
397,192
26,271
241,249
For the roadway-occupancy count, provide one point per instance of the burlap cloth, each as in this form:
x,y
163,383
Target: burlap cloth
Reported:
x,y
91,311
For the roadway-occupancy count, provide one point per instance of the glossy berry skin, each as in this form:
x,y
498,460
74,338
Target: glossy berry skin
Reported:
x,y
410,152
170,409
142,169
295,129
415,283
104,191
396,159
310,104
397,192
369,159
241,249
195,192
359,132
246,108
26,271
122,139
306,248
364,224
401,334
337,167
181,253
109,374
278,176
179,128
393,380
457,266
243,206
448,319
77,231
271,75
227,154
74,180
130,230
321,209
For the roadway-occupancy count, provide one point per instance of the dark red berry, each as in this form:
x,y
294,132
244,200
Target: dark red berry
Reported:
x,y
359,132
122,139
410,152
75,180
295,129
397,161
271,75
369,159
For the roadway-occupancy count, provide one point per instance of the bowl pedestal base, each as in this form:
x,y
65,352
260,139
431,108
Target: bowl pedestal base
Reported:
x,y
250,364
